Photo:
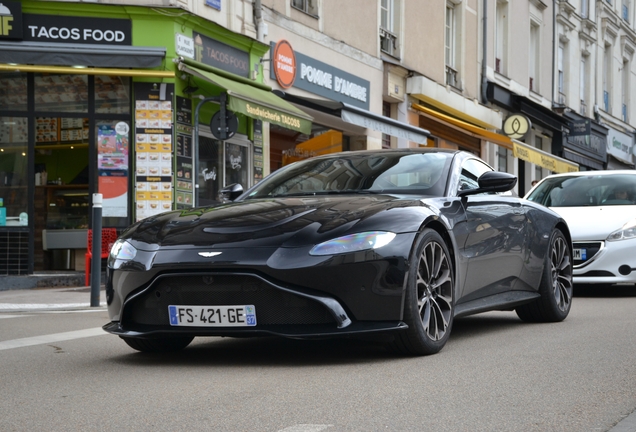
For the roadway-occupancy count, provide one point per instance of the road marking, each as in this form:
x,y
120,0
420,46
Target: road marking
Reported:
x,y
14,316
47,339
306,428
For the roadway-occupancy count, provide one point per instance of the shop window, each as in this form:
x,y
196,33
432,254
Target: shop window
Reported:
x,y
61,93
113,149
13,170
237,167
112,95
221,164
13,91
210,169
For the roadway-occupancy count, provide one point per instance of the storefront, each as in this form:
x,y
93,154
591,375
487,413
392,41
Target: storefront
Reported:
x,y
539,150
92,101
585,143
620,150
338,101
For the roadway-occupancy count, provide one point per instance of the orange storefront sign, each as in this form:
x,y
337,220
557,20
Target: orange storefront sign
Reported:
x,y
284,64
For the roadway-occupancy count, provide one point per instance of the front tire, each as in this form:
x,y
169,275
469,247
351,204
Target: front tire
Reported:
x,y
171,344
556,287
429,300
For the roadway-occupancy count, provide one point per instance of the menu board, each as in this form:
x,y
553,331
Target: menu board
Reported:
x,y
184,187
14,130
153,149
46,130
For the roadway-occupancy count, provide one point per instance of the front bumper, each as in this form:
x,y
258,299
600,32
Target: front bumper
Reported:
x,y
615,262
294,295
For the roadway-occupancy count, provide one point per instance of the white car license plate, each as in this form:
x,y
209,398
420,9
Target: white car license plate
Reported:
x,y
579,254
212,316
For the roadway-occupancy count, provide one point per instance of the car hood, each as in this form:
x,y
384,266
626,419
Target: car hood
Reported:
x,y
595,223
289,222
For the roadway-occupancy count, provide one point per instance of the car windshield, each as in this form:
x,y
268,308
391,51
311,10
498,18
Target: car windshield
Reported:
x,y
587,190
390,172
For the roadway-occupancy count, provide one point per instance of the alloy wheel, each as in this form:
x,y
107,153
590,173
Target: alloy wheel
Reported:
x,y
434,291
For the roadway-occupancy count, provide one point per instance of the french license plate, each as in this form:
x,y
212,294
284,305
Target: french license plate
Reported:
x,y
212,316
579,254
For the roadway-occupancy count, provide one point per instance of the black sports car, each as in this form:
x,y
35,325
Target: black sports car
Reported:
x,y
398,242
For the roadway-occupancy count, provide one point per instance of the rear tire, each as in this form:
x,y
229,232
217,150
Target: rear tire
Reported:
x,y
429,303
556,287
158,345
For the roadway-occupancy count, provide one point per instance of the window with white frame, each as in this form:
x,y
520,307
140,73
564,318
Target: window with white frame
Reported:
x,y
625,91
585,8
389,27
626,7
607,78
310,7
583,85
561,98
501,36
450,45
534,73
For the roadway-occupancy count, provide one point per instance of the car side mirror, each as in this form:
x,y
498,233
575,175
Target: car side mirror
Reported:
x,y
492,181
230,192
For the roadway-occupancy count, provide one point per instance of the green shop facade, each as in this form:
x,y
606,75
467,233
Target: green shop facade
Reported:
x,y
153,108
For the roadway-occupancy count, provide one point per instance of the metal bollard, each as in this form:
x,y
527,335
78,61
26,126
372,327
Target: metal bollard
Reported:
x,y
96,261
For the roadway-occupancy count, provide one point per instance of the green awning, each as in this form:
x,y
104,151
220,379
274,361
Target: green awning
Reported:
x,y
255,102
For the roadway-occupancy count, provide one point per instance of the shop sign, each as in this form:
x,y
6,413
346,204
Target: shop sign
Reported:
x,y
81,30
517,126
10,20
284,64
581,136
214,53
620,145
184,46
542,159
307,73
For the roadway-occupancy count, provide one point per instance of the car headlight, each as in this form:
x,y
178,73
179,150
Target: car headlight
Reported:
x,y
353,243
627,232
121,251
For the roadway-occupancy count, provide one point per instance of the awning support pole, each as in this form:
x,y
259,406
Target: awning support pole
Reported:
x,y
221,99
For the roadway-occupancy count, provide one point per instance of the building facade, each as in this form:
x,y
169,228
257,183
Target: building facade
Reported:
x,y
159,104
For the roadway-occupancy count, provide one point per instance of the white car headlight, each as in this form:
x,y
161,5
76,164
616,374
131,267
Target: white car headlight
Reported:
x,y
122,250
627,232
353,243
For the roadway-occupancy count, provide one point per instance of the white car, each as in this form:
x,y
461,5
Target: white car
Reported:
x,y
600,209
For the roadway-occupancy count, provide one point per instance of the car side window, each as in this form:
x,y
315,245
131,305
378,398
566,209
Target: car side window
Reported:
x,y
472,169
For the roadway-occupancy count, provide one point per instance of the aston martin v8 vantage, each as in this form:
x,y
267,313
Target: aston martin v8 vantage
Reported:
x,y
394,242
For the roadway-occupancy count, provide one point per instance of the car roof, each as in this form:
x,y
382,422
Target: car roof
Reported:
x,y
593,173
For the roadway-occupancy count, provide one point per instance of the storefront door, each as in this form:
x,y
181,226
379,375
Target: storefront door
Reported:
x,y
222,163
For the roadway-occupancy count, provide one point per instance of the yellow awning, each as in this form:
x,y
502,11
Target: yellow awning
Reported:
x,y
88,71
543,159
477,131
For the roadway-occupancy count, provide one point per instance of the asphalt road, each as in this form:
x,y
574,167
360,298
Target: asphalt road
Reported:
x,y
59,372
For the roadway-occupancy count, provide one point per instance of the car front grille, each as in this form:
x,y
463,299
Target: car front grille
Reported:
x,y
273,306
591,249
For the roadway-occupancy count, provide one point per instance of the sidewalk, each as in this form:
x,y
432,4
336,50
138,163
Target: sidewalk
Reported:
x,y
42,299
